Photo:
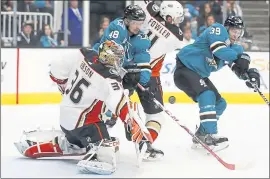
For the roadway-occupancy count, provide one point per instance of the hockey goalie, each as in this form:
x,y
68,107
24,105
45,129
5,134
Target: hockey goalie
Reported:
x,y
88,90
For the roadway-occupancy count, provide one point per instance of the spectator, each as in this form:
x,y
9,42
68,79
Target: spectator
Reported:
x,y
27,6
185,24
194,27
217,11
208,22
198,4
44,6
190,10
105,21
207,10
46,39
188,36
98,9
191,14
26,38
74,24
6,5
233,9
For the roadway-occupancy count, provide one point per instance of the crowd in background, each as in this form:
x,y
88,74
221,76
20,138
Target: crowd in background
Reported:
x,y
198,16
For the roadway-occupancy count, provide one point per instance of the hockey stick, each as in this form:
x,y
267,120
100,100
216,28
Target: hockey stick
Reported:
x,y
227,165
261,94
255,86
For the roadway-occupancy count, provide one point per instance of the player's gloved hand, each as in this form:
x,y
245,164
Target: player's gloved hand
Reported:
x,y
147,94
242,63
254,76
112,120
132,77
89,54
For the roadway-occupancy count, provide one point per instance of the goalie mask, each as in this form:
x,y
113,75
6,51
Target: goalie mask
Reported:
x,y
112,55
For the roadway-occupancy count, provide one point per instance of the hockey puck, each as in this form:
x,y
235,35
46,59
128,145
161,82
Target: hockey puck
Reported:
x,y
172,99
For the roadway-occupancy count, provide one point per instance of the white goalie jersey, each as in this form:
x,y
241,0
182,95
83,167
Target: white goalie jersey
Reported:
x,y
89,89
165,37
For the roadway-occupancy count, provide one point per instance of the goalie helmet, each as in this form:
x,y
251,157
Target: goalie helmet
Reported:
x,y
173,9
111,54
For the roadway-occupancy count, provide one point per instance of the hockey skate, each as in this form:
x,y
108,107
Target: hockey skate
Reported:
x,y
214,142
151,153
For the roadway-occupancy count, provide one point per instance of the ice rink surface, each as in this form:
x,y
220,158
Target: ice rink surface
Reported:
x,y
246,126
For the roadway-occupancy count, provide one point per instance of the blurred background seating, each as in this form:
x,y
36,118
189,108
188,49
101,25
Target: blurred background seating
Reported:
x,y
44,21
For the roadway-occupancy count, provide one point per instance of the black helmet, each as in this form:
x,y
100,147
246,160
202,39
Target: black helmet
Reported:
x,y
234,21
134,12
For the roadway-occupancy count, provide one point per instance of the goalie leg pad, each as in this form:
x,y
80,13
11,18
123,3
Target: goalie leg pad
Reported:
x,y
48,149
101,158
46,143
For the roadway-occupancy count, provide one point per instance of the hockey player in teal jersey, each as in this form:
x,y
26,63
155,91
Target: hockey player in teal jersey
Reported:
x,y
139,71
215,48
119,31
139,58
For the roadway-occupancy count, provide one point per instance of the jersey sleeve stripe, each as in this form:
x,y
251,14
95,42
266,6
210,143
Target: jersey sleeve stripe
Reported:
x,y
58,81
120,105
143,64
145,69
217,45
153,63
220,47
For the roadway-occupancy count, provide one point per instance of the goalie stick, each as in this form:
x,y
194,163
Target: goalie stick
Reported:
x,y
225,164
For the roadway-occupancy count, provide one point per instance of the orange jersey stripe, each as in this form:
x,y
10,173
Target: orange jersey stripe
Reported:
x,y
156,65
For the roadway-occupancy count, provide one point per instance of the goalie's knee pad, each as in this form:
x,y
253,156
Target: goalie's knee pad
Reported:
x,y
154,123
220,107
101,158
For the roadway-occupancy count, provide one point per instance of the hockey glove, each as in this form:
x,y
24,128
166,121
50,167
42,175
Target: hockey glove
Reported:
x,y
147,94
242,63
132,77
254,77
112,121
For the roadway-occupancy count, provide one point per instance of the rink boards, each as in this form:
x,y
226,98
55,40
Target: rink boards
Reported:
x,y
25,78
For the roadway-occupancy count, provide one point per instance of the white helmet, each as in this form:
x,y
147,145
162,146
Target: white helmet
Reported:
x,y
173,9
